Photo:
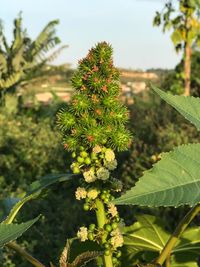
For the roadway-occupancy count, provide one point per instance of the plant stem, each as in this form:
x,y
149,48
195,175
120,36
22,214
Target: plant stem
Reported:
x,y
101,220
25,254
177,233
168,261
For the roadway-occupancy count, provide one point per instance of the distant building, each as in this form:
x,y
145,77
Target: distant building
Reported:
x,y
137,87
139,75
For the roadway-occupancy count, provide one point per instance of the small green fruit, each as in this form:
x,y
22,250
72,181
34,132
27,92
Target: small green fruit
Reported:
x,y
93,156
90,236
81,148
112,198
106,245
86,207
107,252
106,200
117,219
73,155
80,159
104,141
103,196
83,154
114,260
76,170
88,161
114,225
108,195
118,254
108,227
92,227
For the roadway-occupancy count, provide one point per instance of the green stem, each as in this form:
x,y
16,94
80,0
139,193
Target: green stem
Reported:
x,y
177,233
25,254
101,220
168,261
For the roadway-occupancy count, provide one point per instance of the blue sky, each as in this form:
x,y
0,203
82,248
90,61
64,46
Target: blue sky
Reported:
x,y
126,24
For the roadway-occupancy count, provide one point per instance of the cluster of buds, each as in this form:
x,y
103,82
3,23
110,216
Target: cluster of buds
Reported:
x,y
110,236
95,165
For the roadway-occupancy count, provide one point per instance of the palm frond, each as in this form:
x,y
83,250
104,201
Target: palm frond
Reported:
x,y
45,40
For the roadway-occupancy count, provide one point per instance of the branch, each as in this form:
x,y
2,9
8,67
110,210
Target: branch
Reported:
x,y
25,254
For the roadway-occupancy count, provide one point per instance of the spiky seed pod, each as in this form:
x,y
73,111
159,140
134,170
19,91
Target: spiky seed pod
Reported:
x,y
95,117
66,120
77,81
70,143
120,139
80,103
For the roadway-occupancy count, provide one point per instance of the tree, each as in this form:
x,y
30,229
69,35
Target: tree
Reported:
x,y
21,60
173,81
185,26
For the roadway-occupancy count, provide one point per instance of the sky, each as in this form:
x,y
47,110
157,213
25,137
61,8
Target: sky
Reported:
x,y
125,24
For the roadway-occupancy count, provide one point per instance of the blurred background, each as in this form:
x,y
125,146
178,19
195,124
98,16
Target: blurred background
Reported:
x,y
40,45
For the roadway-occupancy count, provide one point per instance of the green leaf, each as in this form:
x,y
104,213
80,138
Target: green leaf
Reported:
x,y
80,252
143,240
48,180
175,263
146,234
10,232
189,242
173,181
188,106
146,238
34,191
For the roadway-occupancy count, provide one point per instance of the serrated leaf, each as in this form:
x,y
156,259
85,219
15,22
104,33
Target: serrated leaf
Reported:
x,y
188,106
85,257
10,232
64,255
79,252
34,191
173,181
77,248
47,181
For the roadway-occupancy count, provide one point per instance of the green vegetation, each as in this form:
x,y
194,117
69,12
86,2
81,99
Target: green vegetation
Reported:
x,y
97,159
185,24
24,58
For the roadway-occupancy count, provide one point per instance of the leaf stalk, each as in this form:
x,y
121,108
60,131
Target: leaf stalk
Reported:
x,y
25,254
177,233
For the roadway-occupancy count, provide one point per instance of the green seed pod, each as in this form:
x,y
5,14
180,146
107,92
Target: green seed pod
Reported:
x,y
73,154
106,200
103,196
87,161
80,159
118,254
108,227
117,219
92,227
114,225
90,236
83,154
86,207
76,170
107,252
114,260
107,245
